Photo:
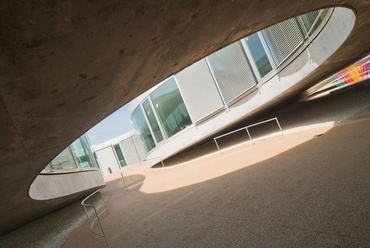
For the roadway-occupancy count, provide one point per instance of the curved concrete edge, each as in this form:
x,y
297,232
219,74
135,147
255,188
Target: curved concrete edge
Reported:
x,y
56,185
329,39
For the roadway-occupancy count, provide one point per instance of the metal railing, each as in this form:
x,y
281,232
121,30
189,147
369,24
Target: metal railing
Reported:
x,y
157,159
123,178
85,205
246,128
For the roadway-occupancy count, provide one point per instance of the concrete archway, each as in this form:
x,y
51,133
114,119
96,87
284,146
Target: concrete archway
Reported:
x,y
66,65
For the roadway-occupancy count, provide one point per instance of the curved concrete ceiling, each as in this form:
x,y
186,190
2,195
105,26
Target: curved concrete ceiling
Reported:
x,y
67,65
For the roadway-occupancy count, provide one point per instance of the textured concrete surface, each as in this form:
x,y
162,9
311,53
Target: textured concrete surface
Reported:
x,y
308,190
47,232
64,184
53,229
66,65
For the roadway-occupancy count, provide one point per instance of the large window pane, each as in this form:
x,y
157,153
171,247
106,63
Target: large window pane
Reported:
x,y
76,155
258,54
63,161
119,154
80,151
170,107
143,129
152,120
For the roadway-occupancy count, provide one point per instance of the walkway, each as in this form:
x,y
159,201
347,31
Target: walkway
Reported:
x,y
310,189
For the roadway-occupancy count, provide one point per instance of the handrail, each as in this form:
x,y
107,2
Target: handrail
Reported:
x,y
246,128
96,214
123,178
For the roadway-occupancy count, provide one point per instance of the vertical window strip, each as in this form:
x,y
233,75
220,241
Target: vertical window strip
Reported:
x,y
164,135
170,107
119,155
142,128
148,123
152,120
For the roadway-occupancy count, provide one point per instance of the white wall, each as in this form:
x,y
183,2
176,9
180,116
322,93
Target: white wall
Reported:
x,y
107,159
106,155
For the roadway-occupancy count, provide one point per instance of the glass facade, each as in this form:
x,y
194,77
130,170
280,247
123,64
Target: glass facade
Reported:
x,y
165,115
76,155
143,130
258,55
119,155
234,70
170,107
81,152
255,59
63,161
152,120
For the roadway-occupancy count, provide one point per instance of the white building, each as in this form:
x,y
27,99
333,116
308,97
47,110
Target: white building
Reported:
x,y
236,81
116,153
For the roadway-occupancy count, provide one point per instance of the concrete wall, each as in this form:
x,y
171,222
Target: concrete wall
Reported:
x,y
325,44
55,185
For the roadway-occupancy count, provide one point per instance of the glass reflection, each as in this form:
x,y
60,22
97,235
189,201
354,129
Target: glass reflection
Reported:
x,y
119,154
152,120
80,151
77,155
64,160
170,107
258,54
143,129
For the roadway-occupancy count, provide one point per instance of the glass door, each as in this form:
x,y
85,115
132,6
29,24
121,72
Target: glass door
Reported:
x,y
259,58
152,120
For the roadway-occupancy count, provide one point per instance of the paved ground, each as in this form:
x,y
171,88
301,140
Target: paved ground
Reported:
x,y
310,189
